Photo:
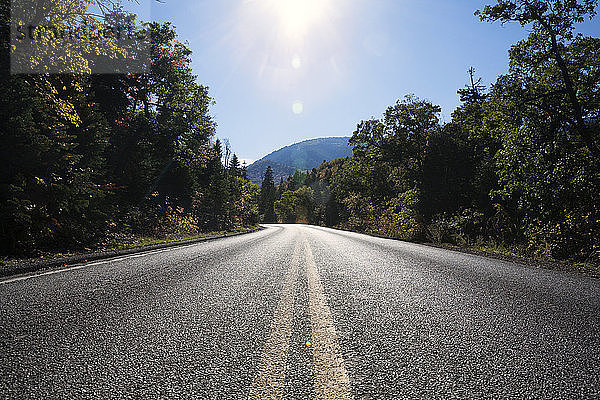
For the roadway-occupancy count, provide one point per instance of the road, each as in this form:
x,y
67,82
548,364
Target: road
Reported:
x,y
301,312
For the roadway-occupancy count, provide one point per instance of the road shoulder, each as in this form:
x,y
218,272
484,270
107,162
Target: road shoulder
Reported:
x,y
19,267
555,265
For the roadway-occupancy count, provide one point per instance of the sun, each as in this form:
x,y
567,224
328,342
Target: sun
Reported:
x,y
289,46
298,16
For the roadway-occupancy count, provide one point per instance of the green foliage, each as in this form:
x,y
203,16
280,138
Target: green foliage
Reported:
x,y
548,175
234,167
246,194
177,223
266,204
296,206
400,217
559,16
49,191
359,212
87,156
465,228
513,169
553,31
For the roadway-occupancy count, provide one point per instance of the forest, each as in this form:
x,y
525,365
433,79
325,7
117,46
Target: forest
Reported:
x,y
89,157
516,170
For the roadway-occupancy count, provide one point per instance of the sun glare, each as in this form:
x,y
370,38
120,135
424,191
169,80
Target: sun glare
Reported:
x,y
297,16
293,47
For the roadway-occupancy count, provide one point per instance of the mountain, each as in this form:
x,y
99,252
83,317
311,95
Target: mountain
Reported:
x,y
257,169
304,155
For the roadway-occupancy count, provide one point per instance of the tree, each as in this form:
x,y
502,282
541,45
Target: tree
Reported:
x,y
296,206
392,150
548,179
88,156
553,23
234,166
226,153
160,144
298,179
544,114
215,206
51,186
474,91
285,208
245,202
473,142
244,170
267,197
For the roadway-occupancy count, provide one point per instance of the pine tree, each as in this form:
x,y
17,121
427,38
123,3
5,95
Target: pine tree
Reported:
x,y
234,166
216,207
244,171
267,197
473,92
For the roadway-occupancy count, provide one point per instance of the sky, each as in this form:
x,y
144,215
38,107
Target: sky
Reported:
x,y
281,71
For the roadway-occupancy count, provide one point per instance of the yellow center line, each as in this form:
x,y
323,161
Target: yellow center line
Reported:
x,y
270,379
331,377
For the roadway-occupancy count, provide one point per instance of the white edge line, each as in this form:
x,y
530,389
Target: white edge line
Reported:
x,y
94,263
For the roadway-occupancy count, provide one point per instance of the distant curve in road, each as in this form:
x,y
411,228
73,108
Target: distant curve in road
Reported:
x,y
301,312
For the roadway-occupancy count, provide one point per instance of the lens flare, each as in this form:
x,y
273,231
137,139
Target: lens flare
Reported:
x,y
298,107
296,62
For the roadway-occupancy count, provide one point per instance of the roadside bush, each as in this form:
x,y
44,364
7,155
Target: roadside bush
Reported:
x,y
177,223
360,211
465,228
440,230
576,236
400,217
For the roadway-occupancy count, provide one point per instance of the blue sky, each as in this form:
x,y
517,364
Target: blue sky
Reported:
x,y
282,71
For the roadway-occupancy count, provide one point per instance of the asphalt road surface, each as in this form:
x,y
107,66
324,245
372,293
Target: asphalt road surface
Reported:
x,y
300,312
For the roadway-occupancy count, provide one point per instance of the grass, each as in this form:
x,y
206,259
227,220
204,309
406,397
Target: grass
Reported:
x,y
499,248
131,242
148,241
12,266
588,267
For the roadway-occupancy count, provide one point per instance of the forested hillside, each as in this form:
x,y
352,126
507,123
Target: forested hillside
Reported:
x,y
304,155
257,169
517,167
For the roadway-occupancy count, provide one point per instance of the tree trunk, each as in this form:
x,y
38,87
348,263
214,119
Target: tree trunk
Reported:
x,y
580,124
